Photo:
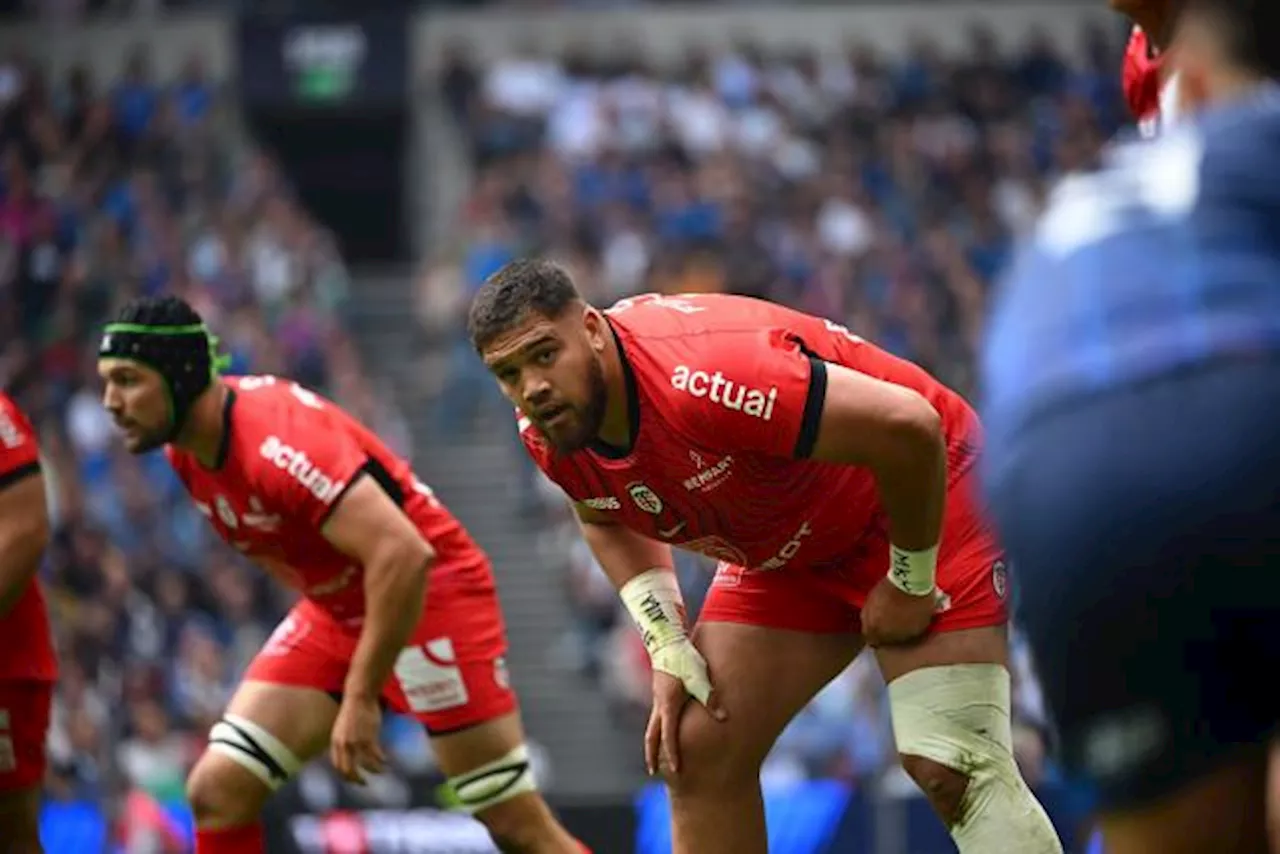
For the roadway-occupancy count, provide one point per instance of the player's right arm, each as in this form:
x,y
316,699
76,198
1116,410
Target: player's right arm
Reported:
x,y
24,517
644,573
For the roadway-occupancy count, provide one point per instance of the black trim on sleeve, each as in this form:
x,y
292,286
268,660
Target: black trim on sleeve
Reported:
x,y
385,480
22,472
337,499
813,403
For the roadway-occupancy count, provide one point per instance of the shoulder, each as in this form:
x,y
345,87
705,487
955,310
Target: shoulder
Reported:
x,y
19,450
15,428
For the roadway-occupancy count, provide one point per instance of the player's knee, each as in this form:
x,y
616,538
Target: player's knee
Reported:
x,y
953,733
223,794
944,787
713,756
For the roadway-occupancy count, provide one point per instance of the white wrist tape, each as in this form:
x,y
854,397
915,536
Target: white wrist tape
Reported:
x,y
913,572
655,604
653,599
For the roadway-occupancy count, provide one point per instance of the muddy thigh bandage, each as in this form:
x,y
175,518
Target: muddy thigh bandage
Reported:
x,y
958,716
249,745
494,783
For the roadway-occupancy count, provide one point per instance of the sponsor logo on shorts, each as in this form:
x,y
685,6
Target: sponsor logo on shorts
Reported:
x,y
645,498
727,575
789,549
607,502
299,467
1000,578
735,396
501,673
286,637
10,437
430,677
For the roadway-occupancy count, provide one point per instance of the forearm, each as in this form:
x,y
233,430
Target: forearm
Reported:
x,y
395,590
22,544
643,572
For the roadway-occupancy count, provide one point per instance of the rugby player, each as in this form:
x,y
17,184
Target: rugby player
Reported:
x,y
28,666
1133,402
319,502
833,481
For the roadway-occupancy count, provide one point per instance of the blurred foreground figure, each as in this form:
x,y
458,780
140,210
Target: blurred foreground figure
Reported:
x,y
1132,377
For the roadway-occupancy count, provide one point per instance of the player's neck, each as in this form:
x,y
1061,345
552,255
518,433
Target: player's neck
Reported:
x,y
203,434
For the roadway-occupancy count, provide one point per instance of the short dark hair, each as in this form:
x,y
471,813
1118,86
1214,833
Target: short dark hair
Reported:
x,y
509,296
159,311
1245,29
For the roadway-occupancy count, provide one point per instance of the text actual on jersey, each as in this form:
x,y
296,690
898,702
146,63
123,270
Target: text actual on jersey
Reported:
x,y
300,468
755,402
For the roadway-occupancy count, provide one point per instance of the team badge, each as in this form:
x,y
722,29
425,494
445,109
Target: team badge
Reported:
x,y
645,498
225,512
1000,578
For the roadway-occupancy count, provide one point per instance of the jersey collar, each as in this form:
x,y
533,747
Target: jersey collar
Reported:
x,y
224,445
614,452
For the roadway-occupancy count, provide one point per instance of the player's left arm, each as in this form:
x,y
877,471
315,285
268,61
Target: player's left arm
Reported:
x,y
372,530
897,434
819,410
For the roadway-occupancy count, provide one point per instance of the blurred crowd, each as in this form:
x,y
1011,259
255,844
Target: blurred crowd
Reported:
x,y
111,189
885,192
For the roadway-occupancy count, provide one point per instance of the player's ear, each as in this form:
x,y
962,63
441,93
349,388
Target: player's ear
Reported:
x,y
597,328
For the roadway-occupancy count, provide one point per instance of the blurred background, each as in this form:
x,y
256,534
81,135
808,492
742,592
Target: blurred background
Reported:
x,y
327,182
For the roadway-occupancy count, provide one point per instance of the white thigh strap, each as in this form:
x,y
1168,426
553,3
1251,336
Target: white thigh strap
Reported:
x,y
498,781
255,749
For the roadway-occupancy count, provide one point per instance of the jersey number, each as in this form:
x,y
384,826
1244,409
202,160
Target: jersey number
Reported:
x,y
306,397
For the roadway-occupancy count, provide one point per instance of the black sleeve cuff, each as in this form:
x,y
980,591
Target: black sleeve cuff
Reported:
x,y
22,472
813,404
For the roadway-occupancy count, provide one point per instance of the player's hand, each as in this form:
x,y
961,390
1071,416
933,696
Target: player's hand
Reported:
x,y
891,617
353,746
679,672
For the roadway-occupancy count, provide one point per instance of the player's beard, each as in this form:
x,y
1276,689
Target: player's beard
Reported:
x,y
587,418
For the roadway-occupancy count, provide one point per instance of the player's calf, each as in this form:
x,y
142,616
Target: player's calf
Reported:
x,y
953,731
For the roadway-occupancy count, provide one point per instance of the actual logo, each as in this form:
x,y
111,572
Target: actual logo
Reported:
x,y
1000,578
645,498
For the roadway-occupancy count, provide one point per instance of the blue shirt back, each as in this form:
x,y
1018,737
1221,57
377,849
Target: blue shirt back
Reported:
x,y
1165,258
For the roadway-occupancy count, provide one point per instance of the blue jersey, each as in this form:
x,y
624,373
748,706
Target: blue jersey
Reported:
x,y
1166,257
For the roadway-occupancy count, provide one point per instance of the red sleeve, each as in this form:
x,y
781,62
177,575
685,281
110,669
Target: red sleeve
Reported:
x,y
1141,76
754,391
309,461
19,452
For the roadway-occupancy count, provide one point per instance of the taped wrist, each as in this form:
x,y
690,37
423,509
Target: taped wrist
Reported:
x,y
913,572
653,599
